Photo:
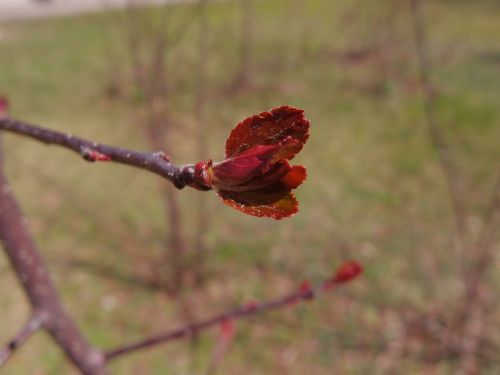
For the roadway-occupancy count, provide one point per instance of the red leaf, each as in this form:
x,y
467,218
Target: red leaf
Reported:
x,y
347,272
258,197
258,203
270,181
295,177
269,128
242,168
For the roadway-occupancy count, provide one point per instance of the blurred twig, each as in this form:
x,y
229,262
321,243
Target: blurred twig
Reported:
x,y
438,140
345,273
243,78
111,272
34,323
471,313
225,338
147,45
469,316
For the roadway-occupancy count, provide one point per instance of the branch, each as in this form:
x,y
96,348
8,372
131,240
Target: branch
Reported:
x,y
345,273
35,322
488,230
156,162
483,250
226,336
470,312
33,276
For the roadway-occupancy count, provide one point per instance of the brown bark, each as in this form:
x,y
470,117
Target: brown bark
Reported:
x,y
34,277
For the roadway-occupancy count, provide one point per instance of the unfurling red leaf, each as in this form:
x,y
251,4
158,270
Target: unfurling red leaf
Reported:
x,y
256,177
233,172
260,204
295,177
268,128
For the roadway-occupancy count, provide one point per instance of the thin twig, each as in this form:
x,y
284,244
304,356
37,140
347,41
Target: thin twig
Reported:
x,y
156,162
34,323
472,312
488,230
304,293
469,314
226,336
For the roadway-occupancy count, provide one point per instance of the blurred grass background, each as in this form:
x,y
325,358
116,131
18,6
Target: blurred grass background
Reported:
x,y
375,190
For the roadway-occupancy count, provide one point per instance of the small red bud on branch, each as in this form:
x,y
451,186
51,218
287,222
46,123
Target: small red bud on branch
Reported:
x,y
305,292
4,106
92,155
346,272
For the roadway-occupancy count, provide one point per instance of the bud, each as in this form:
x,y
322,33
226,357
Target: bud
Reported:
x,y
306,290
227,330
347,272
4,106
256,177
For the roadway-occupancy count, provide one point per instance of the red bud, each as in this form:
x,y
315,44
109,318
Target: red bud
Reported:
x,y
256,177
227,330
305,289
93,155
4,106
347,272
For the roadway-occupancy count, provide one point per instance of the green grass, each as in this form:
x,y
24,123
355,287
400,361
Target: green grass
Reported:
x,y
375,191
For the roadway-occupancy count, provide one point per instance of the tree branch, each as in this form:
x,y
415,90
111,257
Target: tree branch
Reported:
x,y
155,162
34,278
35,322
305,292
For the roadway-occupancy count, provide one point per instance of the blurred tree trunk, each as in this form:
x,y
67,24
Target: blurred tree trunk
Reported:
x,y
201,246
147,47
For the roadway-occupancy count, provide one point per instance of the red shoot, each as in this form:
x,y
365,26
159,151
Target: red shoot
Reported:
x,y
306,290
347,272
92,155
227,331
256,177
4,106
